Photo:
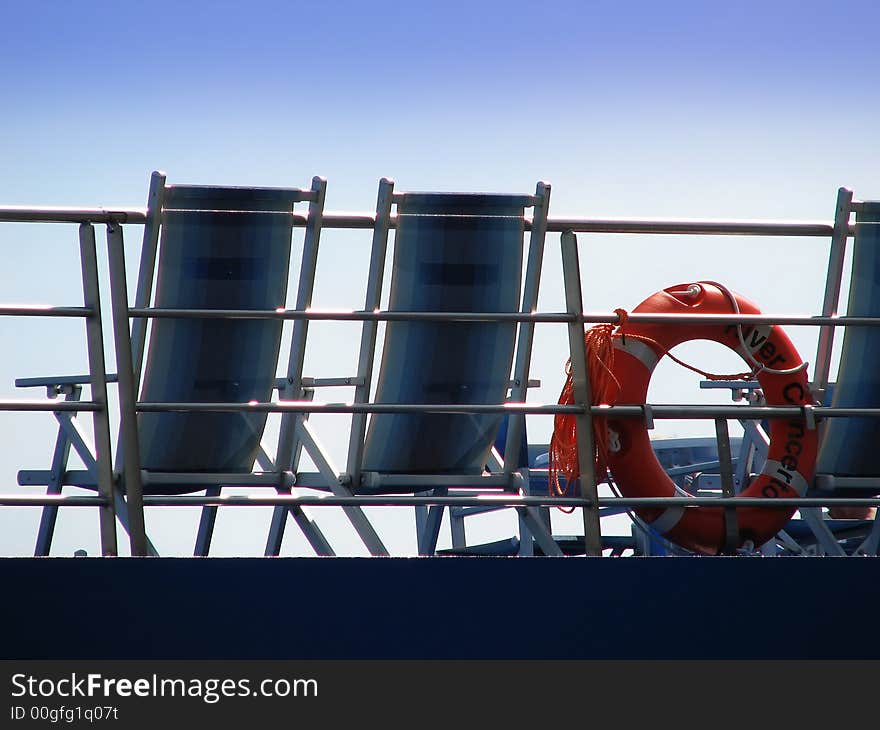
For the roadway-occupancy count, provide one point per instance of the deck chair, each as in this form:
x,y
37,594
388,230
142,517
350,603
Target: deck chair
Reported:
x,y
453,252
216,248
848,464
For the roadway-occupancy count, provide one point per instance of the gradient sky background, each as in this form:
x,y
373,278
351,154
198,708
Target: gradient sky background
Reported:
x,y
640,109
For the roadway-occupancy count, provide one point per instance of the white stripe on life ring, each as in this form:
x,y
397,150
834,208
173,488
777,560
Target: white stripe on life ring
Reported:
x,y
668,519
793,479
641,351
755,339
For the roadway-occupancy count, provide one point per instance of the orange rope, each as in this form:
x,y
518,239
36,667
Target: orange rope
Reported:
x,y
604,390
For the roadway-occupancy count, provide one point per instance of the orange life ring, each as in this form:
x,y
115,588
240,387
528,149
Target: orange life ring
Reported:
x,y
792,451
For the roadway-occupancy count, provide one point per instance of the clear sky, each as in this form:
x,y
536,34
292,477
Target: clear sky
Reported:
x,y
629,109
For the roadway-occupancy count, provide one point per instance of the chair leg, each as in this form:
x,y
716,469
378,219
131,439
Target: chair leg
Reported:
x,y
206,525
59,463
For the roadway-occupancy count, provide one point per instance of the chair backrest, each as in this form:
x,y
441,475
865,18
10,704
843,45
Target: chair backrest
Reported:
x,y
219,248
453,252
849,445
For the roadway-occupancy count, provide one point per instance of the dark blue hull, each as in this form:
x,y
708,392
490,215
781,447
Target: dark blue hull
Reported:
x,y
440,608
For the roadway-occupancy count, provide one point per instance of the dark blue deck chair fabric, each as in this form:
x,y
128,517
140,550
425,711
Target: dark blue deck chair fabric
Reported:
x,y
849,445
452,253
220,248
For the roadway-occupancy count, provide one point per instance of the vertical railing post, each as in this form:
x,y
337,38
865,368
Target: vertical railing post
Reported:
x,y
582,397
832,287
725,468
98,383
369,332
526,334
127,391
308,266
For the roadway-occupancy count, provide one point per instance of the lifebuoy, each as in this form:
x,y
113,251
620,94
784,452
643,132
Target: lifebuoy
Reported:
x,y
791,456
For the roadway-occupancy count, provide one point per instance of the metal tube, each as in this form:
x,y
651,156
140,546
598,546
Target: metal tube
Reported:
x,y
320,544
122,513
525,338
146,271
424,482
289,449
535,317
539,531
312,407
526,334
497,501
296,358
12,310
505,500
48,405
98,384
582,396
627,411
832,286
45,381
355,515
56,482
276,528
285,480
61,500
206,525
369,332
127,393
430,532
690,227
23,214
731,525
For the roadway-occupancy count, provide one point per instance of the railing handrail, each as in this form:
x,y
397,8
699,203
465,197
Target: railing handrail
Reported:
x,y
658,226
657,411
792,320
393,500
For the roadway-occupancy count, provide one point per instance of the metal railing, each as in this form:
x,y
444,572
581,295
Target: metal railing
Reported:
x,y
129,346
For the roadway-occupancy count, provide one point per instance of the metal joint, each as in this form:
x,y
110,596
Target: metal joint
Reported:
x,y
809,415
648,416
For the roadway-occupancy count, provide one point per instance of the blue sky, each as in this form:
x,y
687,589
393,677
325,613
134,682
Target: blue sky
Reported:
x,y
678,109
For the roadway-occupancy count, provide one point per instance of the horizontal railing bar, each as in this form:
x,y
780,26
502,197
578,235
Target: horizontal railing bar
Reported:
x,y
417,482
51,406
23,214
692,227
61,500
314,407
305,480
39,310
500,501
622,411
627,225
555,317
